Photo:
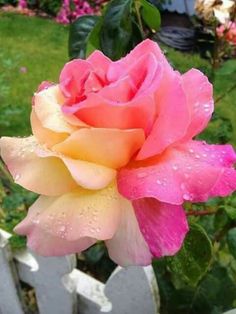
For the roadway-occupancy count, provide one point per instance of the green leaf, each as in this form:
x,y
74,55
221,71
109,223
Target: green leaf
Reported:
x,y
231,211
192,261
227,68
221,219
215,293
95,253
79,34
150,15
231,239
116,30
93,41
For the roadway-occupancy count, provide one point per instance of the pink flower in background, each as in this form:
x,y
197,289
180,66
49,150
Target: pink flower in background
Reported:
x,y
229,31
112,155
22,4
71,10
23,69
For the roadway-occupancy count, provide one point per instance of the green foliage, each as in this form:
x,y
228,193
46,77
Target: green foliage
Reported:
x,y
231,238
150,15
192,261
227,68
80,31
117,31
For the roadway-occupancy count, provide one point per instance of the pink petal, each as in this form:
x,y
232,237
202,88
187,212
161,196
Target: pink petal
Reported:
x,y
192,171
199,93
173,117
45,244
138,113
73,77
121,68
100,63
128,247
163,226
120,91
74,216
109,147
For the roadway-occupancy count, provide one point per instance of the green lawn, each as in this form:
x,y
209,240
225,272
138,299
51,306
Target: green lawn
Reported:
x,y
39,45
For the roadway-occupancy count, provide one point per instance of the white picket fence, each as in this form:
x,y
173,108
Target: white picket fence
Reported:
x,y
60,288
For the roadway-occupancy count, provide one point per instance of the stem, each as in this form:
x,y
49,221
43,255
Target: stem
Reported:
x,y
137,7
225,94
4,171
215,61
200,212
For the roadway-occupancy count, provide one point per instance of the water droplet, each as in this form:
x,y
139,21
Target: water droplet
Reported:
x,y
204,155
62,228
175,167
182,186
98,229
141,174
191,150
197,156
159,182
186,196
17,177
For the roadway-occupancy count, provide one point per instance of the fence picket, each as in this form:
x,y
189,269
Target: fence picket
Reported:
x,y
9,294
59,285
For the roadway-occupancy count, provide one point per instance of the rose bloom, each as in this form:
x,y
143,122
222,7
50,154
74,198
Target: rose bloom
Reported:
x,y
221,9
228,31
112,155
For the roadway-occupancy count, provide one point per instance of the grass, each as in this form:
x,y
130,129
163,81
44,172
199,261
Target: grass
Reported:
x,y
36,44
35,49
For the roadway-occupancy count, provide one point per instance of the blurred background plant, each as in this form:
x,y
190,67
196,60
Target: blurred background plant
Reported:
x,y
201,278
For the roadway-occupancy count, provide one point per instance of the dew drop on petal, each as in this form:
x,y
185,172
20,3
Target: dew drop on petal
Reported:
x,y
17,177
141,174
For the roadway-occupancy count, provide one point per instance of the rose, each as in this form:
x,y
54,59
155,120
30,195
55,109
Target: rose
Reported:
x,y
113,157
221,10
228,31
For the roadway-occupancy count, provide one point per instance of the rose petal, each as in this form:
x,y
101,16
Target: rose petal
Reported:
x,y
109,147
86,174
100,63
173,118
73,216
138,113
43,242
47,106
128,247
45,136
192,171
163,226
89,175
73,77
199,95
121,68
47,176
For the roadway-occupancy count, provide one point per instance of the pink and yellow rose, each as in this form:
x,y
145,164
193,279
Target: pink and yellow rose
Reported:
x,y
112,155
